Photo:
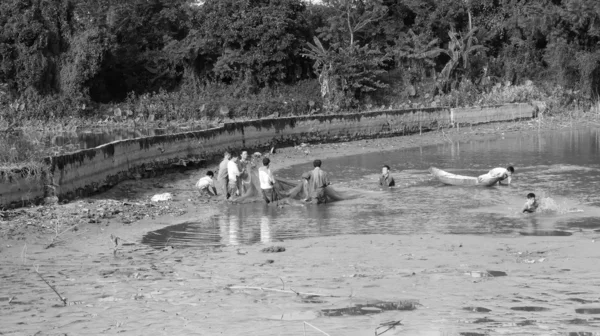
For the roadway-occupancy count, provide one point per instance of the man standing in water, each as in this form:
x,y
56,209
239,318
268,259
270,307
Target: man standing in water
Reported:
x,y
386,180
233,173
266,182
502,173
318,182
223,175
244,167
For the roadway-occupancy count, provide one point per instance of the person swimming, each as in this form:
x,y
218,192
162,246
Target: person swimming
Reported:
x,y
531,204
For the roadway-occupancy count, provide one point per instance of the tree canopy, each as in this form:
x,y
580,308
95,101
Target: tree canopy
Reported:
x,y
104,50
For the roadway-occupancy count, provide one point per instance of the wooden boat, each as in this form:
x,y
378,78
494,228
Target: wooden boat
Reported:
x,y
461,180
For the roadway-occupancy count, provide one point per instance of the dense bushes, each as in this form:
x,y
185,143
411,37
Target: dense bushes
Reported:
x,y
204,58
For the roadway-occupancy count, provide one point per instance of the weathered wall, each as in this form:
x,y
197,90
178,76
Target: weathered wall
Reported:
x,y
92,170
478,115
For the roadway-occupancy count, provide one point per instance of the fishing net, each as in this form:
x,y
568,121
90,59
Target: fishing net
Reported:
x,y
285,189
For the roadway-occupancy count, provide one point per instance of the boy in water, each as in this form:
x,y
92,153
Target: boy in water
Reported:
x,y
531,205
266,182
386,180
207,183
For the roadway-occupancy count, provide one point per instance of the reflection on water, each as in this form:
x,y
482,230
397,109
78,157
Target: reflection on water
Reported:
x,y
562,169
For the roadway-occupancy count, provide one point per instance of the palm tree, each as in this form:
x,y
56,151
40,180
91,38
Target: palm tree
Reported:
x,y
417,51
460,47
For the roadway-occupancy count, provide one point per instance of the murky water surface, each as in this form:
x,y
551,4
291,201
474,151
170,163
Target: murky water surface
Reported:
x,y
562,169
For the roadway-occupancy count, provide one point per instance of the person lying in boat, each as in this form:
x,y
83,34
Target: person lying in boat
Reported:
x,y
206,185
386,180
502,173
531,204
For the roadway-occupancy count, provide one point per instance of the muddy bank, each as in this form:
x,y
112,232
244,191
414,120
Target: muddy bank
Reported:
x,y
347,285
457,283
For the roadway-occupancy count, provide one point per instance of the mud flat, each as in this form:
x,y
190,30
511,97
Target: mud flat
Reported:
x,y
433,284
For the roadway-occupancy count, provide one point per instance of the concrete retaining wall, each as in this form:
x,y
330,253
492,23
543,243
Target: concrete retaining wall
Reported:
x,y
478,115
92,170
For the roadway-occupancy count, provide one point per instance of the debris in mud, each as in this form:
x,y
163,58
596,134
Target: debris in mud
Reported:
x,y
56,219
162,197
273,249
484,274
371,308
545,233
530,308
593,310
386,326
477,309
356,310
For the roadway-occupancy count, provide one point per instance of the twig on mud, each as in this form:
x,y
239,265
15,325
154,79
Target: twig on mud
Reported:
x,y
63,299
282,283
312,326
57,236
281,291
24,254
391,325
115,240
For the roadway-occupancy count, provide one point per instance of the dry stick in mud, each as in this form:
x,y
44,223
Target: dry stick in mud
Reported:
x,y
291,291
55,238
391,325
312,326
63,299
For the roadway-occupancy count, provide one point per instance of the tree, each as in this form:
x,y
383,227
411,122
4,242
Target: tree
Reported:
x,y
460,48
349,67
417,54
255,42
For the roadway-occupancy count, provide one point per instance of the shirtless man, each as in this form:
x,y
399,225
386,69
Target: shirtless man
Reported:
x,y
502,173
223,176
319,180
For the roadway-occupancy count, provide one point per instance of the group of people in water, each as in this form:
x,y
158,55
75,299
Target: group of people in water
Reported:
x,y
250,178
531,204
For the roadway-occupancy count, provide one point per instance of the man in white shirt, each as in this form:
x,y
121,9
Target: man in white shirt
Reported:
x,y
266,182
502,173
233,173
207,183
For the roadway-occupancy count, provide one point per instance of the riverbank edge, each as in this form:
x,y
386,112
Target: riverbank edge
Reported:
x,y
289,156
87,172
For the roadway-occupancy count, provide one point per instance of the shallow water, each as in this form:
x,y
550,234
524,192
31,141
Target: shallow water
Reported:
x,y
562,169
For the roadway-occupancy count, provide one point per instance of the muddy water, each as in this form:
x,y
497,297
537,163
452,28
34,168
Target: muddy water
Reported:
x,y
562,169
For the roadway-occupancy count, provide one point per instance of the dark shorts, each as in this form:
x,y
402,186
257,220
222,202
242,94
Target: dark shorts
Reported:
x,y
320,196
269,195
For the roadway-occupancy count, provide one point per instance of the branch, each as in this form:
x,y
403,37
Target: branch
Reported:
x,y
281,291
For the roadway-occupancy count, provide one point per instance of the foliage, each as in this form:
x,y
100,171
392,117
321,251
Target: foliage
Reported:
x,y
58,56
